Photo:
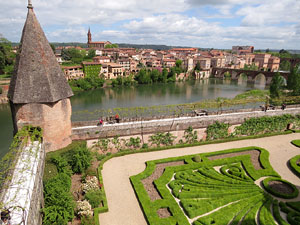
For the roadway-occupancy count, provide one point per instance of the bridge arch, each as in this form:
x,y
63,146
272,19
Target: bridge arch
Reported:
x,y
260,80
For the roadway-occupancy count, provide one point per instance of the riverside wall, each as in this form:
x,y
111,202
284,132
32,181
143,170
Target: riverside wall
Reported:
x,y
88,131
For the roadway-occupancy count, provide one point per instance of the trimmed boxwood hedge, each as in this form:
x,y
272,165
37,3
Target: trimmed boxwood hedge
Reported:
x,y
280,194
242,189
294,166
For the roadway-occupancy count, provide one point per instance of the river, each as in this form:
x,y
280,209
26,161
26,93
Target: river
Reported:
x,y
84,104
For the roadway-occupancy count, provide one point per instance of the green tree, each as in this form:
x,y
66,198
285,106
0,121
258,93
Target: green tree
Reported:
x,y
276,86
53,48
293,82
178,63
7,56
91,53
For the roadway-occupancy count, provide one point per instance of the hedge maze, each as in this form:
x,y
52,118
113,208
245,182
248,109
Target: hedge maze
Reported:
x,y
216,188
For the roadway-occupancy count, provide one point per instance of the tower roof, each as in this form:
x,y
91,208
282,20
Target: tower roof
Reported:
x,y
37,77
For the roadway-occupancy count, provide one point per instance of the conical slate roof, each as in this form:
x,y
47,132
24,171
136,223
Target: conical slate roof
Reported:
x,y
38,77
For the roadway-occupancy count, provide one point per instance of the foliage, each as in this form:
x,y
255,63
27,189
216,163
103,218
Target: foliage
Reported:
x,y
293,82
7,56
190,136
265,124
217,130
50,170
134,142
8,162
74,55
252,94
162,139
87,220
276,86
94,197
103,144
296,143
59,205
112,46
90,82
1,90
61,164
123,81
145,76
80,160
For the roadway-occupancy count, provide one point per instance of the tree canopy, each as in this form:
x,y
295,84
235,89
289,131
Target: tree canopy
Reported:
x,y
7,56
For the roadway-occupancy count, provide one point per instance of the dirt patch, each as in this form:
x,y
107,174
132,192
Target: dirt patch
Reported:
x,y
148,182
164,213
76,187
254,154
281,187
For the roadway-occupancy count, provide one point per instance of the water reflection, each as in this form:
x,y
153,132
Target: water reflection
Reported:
x,y
158,94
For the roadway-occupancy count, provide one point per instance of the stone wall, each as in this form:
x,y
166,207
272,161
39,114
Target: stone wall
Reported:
x,y
170,124
22,195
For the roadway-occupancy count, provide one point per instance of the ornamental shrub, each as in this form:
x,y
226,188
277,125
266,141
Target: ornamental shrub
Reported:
x,y
94,197
91,183
83,208
79,159
217,130
61,164
59,205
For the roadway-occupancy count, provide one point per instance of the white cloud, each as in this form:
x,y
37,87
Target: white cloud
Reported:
x,y
268,23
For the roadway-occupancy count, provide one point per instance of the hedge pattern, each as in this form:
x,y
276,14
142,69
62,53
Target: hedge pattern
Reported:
x,y
220,191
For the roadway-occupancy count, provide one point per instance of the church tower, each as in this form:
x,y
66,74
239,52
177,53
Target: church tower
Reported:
x,y
39,94
89,34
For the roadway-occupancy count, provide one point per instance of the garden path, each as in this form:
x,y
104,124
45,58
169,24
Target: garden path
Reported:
x,y
123,205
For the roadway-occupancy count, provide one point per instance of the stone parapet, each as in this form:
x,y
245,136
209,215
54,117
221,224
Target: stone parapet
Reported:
x,y
170,124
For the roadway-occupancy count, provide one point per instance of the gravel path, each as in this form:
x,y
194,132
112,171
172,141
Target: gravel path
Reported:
x,y
123,205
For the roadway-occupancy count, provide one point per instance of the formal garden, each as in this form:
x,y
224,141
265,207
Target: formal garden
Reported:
x,y
184,190
216,188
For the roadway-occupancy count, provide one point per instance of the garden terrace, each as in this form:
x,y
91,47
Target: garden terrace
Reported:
x,y
191,192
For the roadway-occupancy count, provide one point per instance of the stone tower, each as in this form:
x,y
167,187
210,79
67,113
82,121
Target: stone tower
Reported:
x,y
39,93
89,34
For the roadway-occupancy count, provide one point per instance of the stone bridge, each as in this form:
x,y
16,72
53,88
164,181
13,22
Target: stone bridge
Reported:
x,y
251,74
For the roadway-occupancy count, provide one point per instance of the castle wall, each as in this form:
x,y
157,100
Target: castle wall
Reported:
x,y
53,118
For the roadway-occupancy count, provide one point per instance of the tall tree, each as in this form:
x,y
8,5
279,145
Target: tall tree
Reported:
x,y
7,56
276,85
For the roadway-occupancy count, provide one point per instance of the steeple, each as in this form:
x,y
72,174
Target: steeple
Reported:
x,y
89,34
37,77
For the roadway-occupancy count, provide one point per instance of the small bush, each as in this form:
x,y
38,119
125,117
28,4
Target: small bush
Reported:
x,y
87,220
197,158
94,197
80,160
1,91
217,131
61,164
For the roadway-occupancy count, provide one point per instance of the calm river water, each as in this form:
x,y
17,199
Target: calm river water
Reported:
x,y
83,104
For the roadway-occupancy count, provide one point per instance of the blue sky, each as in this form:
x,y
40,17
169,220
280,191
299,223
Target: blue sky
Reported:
x,y
198,23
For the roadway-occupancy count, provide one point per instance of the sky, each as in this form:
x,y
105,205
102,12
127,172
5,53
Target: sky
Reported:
x,y
273,24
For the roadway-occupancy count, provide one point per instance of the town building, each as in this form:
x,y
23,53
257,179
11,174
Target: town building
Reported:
x,y
73,72
99,44
241,50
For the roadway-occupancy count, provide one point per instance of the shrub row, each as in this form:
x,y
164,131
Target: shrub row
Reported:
x,y
295,165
